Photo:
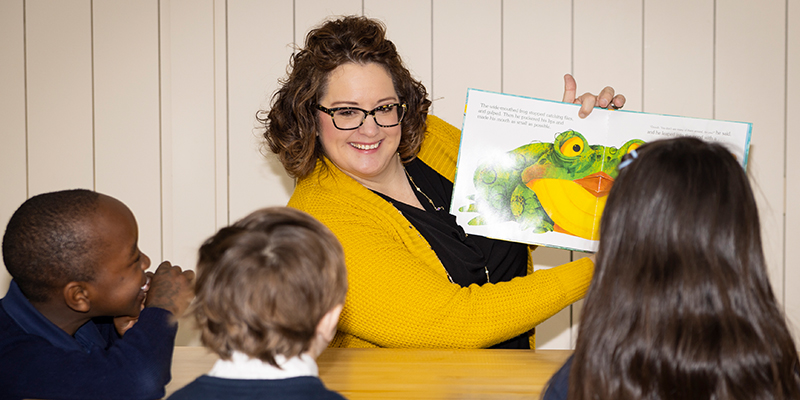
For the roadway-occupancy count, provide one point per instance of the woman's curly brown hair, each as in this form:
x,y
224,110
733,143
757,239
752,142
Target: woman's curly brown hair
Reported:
x,y
291,123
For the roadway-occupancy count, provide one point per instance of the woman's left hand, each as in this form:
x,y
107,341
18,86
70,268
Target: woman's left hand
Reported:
x,y
606,98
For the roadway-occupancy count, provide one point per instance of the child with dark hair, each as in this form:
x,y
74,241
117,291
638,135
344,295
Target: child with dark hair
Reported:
x,y
82,319
680,305
269,292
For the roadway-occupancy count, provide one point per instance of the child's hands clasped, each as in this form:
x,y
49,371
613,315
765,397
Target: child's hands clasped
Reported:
x,y
170,288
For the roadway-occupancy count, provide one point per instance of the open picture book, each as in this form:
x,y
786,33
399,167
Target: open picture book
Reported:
x,y
532,171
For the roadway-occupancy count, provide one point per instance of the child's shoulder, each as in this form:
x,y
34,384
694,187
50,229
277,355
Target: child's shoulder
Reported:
x,y
301,387
14,337
52,357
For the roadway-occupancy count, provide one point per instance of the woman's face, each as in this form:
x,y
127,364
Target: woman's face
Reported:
x,y
364,153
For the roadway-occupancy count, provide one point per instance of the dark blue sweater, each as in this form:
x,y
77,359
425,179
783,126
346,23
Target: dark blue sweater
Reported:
x,y
40,360
558,386
298,388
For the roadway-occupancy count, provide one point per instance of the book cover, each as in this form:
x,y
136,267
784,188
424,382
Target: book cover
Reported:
x,y
532,171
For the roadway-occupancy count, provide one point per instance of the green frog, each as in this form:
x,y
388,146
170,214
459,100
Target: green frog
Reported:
x,y
509,187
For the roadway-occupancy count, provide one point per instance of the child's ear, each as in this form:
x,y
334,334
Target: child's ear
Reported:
x,y
327,325
326,329
77,297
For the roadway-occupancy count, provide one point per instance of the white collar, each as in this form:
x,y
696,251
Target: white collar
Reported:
x,y
241,366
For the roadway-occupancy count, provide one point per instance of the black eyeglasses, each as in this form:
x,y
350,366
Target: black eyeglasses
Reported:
x,y
349,118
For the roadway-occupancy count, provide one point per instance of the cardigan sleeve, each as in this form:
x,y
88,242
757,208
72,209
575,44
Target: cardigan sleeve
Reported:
x,y
398,300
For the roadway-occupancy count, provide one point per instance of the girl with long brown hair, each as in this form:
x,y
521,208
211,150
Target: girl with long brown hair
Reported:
x,y
680,305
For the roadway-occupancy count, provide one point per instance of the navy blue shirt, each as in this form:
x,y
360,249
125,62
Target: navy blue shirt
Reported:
x,y
558,386
40,360
297,388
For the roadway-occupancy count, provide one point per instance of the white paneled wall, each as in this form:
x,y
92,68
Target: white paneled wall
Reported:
x,y
154,101
188,110
686,74
58,91
253,68
763,74
13,142
126,111
467,50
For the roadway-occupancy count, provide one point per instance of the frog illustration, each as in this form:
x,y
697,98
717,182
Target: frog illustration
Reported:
x,y
559,186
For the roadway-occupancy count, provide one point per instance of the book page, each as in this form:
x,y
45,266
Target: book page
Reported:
x,y
532,171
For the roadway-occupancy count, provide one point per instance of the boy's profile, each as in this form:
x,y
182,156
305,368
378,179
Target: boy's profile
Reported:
x,y
269,292
82,319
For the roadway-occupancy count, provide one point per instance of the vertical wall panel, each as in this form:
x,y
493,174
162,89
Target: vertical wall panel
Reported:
x,y
791,267
59,95
607,43
309,14
221,115
165,104
188,145
13,160
753,91
537,52
537,47
679,57
259,45
466,53
408,27
560,330
126,86
189,134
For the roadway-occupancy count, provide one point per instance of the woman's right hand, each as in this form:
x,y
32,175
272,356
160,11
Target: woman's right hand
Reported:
x,y
606,99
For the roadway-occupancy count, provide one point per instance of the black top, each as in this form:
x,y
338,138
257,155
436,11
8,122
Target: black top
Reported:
x,y
467,258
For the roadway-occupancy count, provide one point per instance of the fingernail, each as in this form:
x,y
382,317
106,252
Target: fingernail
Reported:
x,y
603,103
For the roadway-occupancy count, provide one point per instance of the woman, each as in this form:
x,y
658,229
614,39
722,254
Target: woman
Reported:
x,y
680,306
352,125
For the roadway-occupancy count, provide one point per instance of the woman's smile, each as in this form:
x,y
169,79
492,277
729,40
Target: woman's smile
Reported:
x,y
362,146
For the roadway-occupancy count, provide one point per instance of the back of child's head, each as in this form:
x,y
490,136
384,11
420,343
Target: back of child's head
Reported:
x,y
680,305
265,282
47,244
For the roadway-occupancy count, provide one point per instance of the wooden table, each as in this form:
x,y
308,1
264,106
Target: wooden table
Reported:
x,y
412,373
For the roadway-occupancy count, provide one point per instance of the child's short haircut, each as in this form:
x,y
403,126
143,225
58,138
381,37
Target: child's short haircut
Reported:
x,y
46,244
265,282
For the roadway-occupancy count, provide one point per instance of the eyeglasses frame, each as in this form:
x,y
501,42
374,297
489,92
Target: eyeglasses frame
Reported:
x,y
330,112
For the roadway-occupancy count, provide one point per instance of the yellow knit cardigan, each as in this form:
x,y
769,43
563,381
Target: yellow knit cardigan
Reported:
x,y
399,294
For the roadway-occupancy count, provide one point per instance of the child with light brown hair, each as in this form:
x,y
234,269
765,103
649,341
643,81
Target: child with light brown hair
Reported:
x,y
269,292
